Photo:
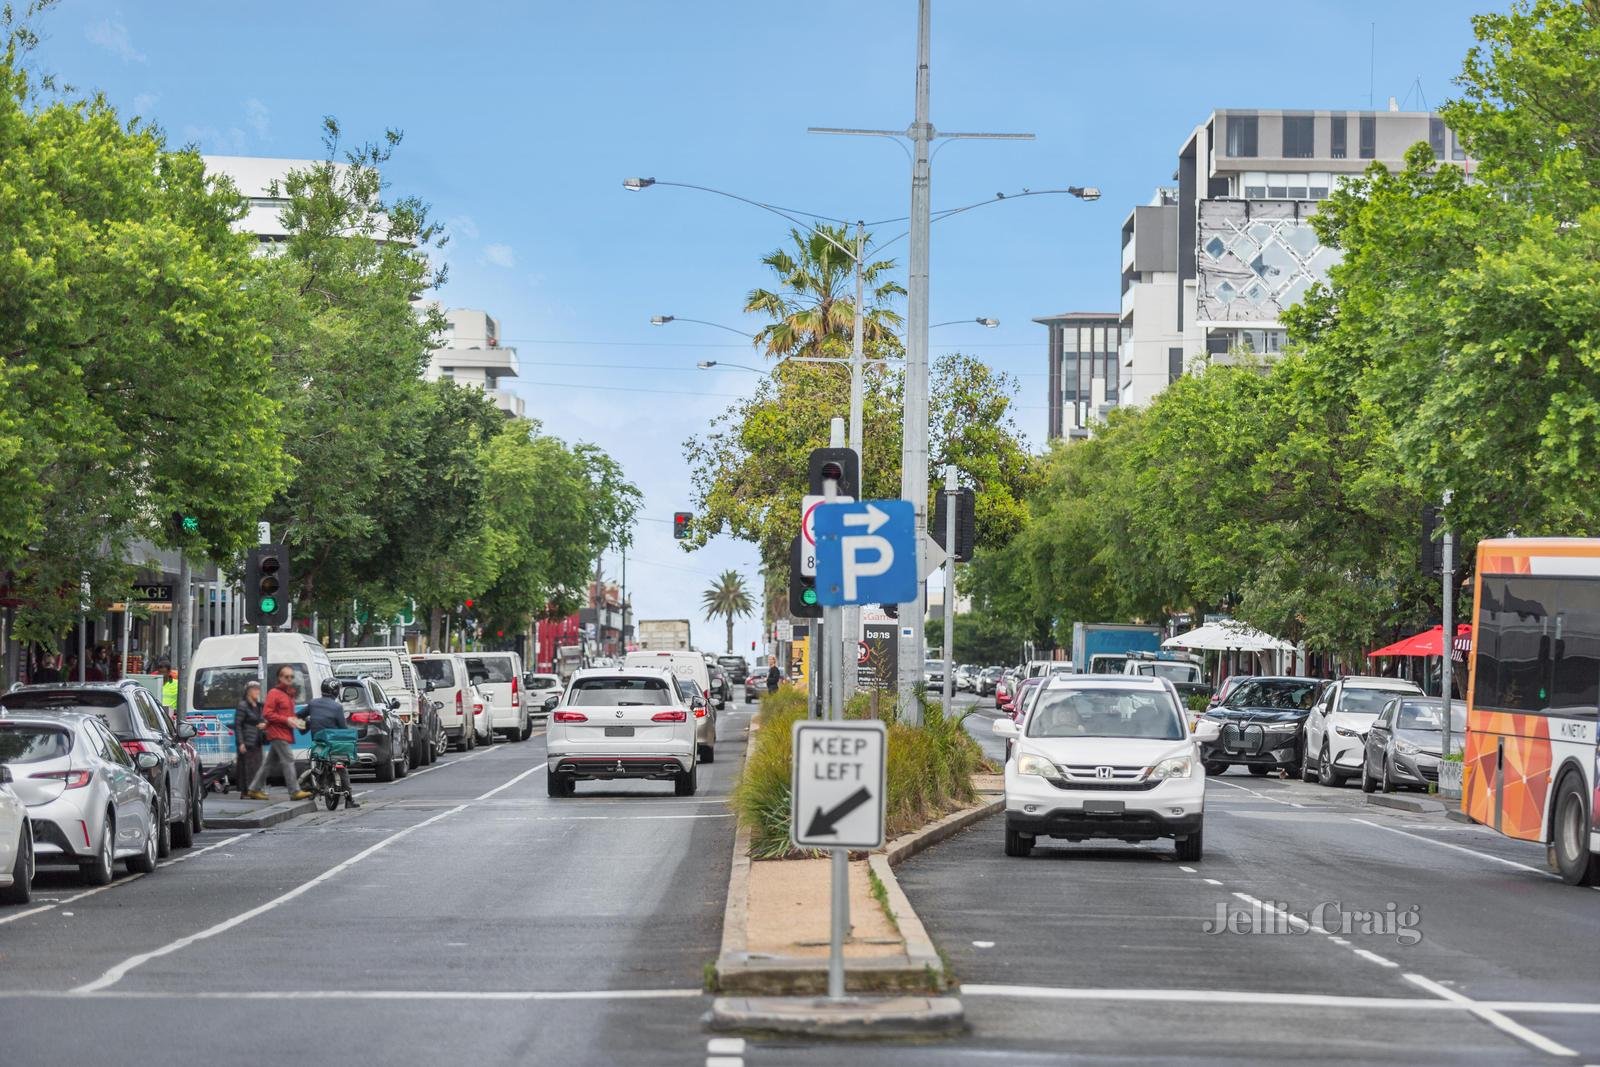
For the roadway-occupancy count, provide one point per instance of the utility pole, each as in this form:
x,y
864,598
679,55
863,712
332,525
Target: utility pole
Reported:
x,y
1447,630
949,588
182,637
850,625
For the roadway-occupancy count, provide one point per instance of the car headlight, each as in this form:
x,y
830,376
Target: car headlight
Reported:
x,y
1176,767
1348,731
1405,748
1027,763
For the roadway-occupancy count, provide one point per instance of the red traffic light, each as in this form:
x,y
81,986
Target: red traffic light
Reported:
x,y
680,524
468,603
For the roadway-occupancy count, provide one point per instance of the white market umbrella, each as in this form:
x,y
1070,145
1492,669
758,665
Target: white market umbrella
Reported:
x,y
1228,636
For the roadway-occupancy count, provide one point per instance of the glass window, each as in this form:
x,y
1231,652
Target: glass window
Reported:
x,y
221,688
1299,136
1458,151
1319,186
353,694
1337,130
1286,695
1255,185
1107,713
1364,701
495,669
1436,136
441,672
1424,715
109,706
1369,136
618,692
1296,186
1242,136
22,743
355,668
1277,186
1538,647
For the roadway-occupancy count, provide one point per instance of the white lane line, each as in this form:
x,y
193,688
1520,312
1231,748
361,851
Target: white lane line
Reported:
x,y
1373,957
357,994
1337,940
202,851
624,818
1191,870
1212,881
1261,796
725,1046
724,1061
115,974
1457,848
1210,996
1293,920
1492,1017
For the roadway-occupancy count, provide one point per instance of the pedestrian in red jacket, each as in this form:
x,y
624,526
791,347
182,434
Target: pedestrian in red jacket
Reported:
x,y
281,722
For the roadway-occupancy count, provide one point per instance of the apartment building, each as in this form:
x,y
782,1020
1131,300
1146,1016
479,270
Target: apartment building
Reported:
x,y
473,355
1084,369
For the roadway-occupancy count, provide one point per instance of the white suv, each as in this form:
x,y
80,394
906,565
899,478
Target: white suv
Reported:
x,y
1099,757
499,675
627,722
1336,729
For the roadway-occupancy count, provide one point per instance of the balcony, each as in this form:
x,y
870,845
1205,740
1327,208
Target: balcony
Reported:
x,y
510,403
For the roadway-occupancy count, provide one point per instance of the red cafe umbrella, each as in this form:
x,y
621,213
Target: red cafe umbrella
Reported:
x,y
1426,643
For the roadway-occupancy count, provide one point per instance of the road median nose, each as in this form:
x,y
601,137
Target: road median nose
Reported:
x,y
230,813
850,1017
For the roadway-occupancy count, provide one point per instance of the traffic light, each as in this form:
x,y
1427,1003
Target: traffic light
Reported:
x,y
802,588
1432,548
966,523
184,525
680,524
266,586
842,464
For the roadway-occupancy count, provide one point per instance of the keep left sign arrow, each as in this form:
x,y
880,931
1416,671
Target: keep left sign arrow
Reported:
x,y
825,823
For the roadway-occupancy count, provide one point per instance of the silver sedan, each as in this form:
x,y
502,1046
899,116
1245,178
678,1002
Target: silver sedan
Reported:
x,y
88,803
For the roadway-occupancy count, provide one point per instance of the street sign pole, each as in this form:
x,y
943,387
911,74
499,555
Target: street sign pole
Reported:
x,y
1447,635
839,859
949,587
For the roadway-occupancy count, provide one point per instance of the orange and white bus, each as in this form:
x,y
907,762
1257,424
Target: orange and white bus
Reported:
x,y
1532,696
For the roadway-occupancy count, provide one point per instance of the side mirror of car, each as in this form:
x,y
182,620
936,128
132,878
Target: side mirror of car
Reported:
x,y
438,705
147,761
1207,730
5,774
186,731
1005,728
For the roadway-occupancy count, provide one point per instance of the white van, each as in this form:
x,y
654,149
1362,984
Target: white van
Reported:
x,y
390,666
444,679
692,667
499,675
218,672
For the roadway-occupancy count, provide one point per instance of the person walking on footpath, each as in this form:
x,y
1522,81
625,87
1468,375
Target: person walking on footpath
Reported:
x,y
282,722
247,736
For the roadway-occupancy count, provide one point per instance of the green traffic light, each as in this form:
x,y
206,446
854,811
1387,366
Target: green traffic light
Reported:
x,y
808,597
269,605
191,524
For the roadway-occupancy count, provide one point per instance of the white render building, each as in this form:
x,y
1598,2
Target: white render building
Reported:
x,y
472,355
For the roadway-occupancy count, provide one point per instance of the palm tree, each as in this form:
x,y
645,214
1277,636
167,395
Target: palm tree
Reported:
x,y
812,307
727,597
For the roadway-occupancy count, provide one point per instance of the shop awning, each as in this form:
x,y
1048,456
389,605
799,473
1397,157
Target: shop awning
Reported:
x,y
1228,636
1427,643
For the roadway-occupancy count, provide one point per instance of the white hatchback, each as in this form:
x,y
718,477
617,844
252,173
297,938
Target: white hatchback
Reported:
x,y
1100,757
16,844
630,722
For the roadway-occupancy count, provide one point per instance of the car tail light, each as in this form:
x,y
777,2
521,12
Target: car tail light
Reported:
x,y
700,711
134,748
570,716
366,716
477,707
73,779
513,687
674,716
459,705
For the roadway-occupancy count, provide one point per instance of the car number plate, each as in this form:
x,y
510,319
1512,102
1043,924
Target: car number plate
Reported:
x,y
619,731
1104,807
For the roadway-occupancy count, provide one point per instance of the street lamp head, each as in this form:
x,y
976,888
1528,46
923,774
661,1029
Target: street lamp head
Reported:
x,y
1084,192
661,320
635,184
988,323
706,364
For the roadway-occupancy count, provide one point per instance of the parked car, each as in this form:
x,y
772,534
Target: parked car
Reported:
x,y
482,715
1003,692
1260,725
966,678
1104,758
1023,695
690,667
499,675
1182,671
721,685
1037,667
933,673
16,841
1227,686
383,741
630,722
140,724
391,668
1405,741
89,803
987,679
738,668
537,691
1336,728
444,678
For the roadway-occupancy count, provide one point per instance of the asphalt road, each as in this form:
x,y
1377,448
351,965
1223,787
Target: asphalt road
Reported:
x,y
460,913
1101,953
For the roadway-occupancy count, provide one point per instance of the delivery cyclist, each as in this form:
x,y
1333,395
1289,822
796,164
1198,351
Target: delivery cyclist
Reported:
x,y
326,713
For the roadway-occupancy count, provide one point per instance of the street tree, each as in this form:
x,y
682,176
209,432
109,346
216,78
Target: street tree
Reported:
x,y
728,598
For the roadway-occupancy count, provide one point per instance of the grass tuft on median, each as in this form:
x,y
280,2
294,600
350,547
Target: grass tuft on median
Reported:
x,y
929,774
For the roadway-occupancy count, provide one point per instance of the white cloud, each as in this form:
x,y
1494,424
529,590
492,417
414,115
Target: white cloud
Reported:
x,y
144,103
113,37
259,118
462,225
211,139
500,255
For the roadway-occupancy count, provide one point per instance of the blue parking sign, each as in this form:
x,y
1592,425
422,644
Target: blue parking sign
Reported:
x,y
866,553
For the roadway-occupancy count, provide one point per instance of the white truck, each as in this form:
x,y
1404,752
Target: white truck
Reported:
x,y
664,635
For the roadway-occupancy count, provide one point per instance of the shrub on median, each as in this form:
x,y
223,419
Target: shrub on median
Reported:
x,y
929,774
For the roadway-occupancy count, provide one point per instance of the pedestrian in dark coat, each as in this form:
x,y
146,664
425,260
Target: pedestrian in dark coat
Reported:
x,y
248,735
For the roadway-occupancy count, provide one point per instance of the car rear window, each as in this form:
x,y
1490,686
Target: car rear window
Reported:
x,y
619,692
1106,713
1369,701
25,743
543,681
221,688
111,707
490,668
438,671
355,695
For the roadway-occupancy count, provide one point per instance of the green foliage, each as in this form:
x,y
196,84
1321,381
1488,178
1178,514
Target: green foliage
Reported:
x,y
729,598
929,773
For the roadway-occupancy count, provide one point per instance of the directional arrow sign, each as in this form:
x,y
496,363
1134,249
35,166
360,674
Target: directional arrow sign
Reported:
x,y
838,784
866,553
934,556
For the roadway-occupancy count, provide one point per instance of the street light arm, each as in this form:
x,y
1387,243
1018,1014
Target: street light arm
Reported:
x,y
937,216
786,213
664,319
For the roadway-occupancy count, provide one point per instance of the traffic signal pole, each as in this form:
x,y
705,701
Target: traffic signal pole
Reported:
x,y
949,587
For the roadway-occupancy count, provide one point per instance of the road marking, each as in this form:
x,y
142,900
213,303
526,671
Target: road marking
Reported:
x,y
1456,848
1293,920
724,1061
115,974
1187,870
202,851
1367,954
1492,1017
983,944
357,994
1211,996
1212,881
725,1046
626,818
1252,792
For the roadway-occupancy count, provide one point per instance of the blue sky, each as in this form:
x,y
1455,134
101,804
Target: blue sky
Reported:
x,y
521,120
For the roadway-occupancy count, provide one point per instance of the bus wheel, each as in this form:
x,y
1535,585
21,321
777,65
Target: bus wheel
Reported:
x,y
1571,837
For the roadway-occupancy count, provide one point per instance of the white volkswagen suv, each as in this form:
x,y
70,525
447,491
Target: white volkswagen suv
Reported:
x,y
1104,757
628,722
